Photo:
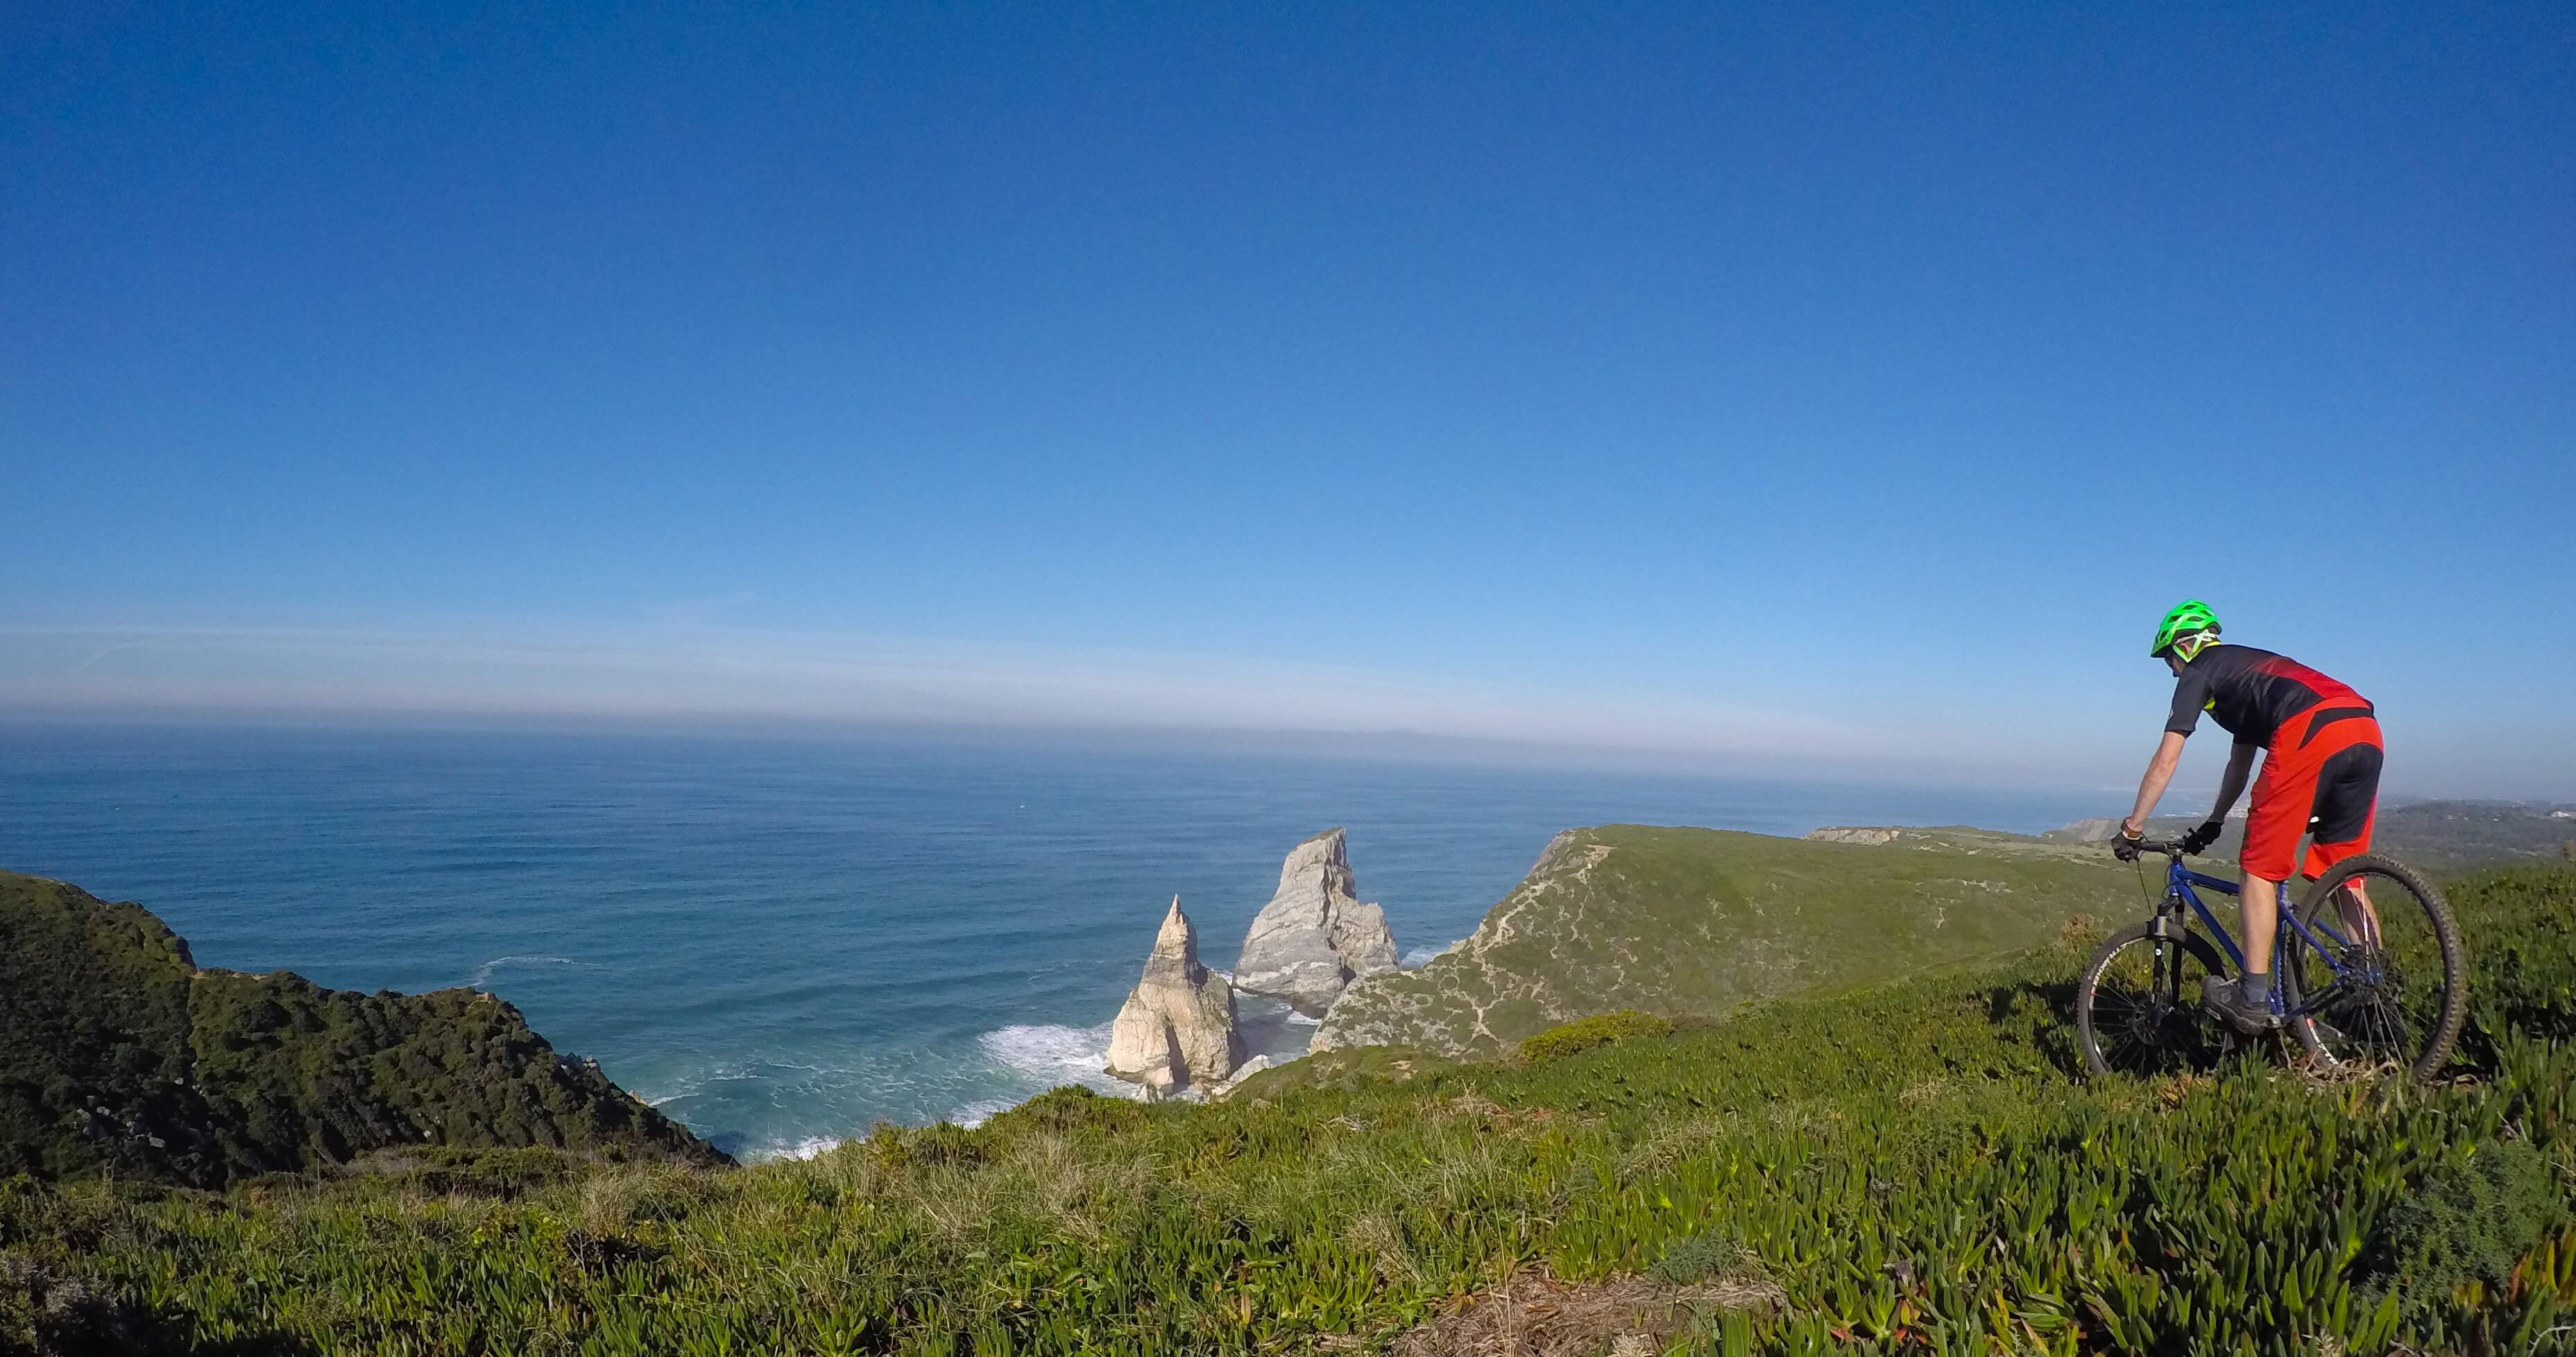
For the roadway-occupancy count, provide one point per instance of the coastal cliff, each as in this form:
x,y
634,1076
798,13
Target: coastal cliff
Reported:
x,y
120,1056
1698,921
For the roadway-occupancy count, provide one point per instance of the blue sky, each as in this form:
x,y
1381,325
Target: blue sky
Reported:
x,y
1715,381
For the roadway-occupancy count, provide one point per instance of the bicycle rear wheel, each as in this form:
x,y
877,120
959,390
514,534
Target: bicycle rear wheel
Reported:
x,y
2382,978
2137,1007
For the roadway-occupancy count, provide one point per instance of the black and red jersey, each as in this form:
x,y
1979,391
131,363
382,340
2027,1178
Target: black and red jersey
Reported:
x,y
2251,692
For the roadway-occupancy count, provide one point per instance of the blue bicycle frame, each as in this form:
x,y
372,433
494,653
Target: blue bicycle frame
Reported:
x,y
2179,881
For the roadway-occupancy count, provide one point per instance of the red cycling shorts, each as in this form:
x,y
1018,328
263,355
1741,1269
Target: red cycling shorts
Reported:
x,y
2320,778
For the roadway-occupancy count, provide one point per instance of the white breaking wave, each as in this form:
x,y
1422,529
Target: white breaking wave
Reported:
x,y
1047,1055
806,1148
483,973
975,1114
1421,956
1051,1051
1302,1020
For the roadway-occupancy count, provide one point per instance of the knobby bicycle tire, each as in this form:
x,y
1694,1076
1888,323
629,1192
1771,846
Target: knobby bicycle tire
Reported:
x,y
2207,1040
2454,1006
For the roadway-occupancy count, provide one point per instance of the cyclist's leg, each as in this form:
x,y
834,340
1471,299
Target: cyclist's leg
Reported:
x,y
2283,791
2347,804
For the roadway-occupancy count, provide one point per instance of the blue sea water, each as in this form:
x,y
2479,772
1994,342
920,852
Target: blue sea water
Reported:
x,y
780,941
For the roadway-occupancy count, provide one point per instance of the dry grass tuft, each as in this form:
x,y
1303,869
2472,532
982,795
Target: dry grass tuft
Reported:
x,y
1376,1234
1535,1315
1470,1105
2320,1073
1674,1144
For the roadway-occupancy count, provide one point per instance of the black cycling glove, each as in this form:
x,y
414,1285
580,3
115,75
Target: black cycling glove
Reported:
x,y
2199,840
2124,845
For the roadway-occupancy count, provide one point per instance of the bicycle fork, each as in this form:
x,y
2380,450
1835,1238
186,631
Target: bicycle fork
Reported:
x,y
2165,933
2169,931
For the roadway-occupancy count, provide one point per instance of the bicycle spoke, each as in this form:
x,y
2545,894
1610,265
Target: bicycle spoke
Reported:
x,y
2140,1012
2375,970
2322,1002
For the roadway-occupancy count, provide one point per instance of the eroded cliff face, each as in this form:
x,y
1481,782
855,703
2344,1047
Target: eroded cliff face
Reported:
x,y
1178,1028
1698,921
119,1055
1314,937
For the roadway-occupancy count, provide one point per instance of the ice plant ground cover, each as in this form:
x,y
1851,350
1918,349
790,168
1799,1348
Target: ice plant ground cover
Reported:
x,y
1911,1168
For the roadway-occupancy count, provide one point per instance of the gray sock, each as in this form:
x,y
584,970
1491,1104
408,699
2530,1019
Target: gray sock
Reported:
x,y
2256,986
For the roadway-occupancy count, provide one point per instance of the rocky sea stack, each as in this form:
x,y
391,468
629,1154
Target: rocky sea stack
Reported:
x,y
1314,937
1178,1028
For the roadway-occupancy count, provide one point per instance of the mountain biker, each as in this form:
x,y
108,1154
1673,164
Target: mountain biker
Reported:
x,y
2320,777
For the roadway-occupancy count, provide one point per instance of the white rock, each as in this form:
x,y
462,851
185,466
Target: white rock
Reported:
x,y
1314,937
1851,834
1250,1068
1177,1028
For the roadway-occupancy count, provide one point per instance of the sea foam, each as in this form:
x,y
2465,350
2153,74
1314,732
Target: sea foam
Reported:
x,y
1045,1056
482,976
1420,957
806,1148
1052,1052
976,1113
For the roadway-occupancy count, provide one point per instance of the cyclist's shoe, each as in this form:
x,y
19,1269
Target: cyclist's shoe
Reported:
x,y
2247,1013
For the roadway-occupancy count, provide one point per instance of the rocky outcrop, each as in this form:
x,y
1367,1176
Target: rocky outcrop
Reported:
x,y
1314,937
1218,1092
1852,834
1178,1028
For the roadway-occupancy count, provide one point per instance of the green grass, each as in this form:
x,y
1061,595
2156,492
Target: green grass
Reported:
x,y
1698,921
1911,1169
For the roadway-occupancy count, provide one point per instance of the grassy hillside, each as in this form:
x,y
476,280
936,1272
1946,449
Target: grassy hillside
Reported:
x,y
2437,836
1916,1168
119,1056
1696,921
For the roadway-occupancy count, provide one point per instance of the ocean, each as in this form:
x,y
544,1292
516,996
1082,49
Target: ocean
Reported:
x,y
782,941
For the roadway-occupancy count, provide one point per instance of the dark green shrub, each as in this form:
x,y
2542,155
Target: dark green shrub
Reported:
x,y
1696,1258
43,1314
943,1143
2475,1216
1584,1034
118,1058
1072,1108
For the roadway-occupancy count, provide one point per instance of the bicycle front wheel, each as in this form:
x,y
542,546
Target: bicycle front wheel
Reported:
x,y
2381,979
2137,1009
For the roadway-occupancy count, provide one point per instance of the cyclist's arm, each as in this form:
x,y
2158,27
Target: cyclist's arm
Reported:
x,y
2160,770
2240,765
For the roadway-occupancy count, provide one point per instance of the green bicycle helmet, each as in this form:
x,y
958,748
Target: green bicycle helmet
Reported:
x,y
2189,618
